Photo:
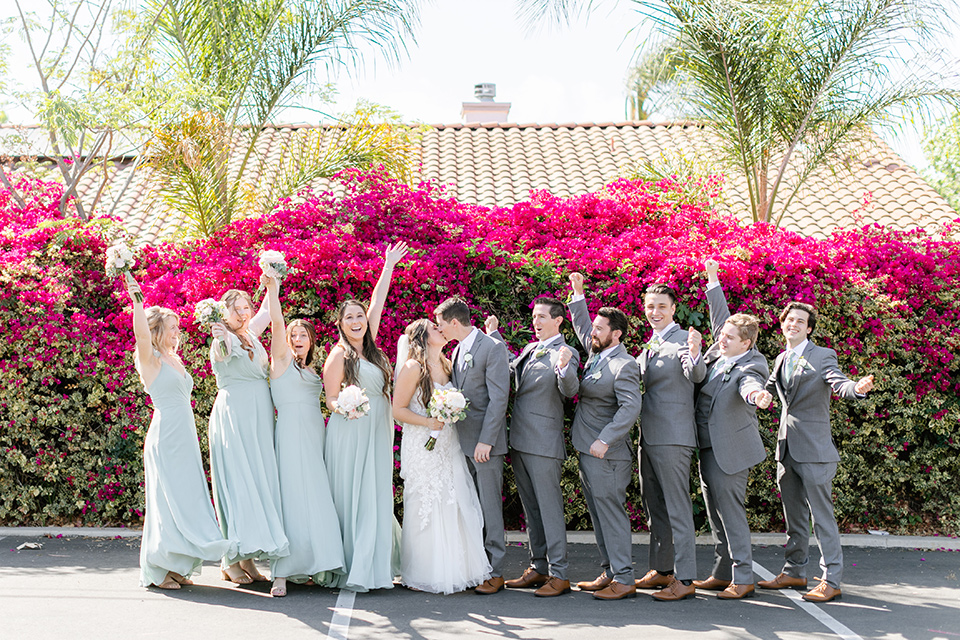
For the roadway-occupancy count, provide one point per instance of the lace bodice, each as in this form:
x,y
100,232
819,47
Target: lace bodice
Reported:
x,y
429,472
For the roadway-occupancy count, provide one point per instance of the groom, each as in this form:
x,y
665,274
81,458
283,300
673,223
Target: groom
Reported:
x,y
481,372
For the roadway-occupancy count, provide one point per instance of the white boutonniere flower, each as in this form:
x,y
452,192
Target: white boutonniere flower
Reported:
x,y
651,346
468,359
802,365
595,376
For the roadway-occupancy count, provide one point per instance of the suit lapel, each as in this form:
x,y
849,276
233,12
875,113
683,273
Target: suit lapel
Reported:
x,y
522,361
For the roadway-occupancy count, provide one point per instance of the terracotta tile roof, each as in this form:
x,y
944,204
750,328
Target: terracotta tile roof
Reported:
x,y
499,164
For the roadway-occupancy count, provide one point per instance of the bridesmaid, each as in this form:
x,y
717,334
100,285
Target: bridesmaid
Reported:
x,y
309,517
243,462
359,452
179,527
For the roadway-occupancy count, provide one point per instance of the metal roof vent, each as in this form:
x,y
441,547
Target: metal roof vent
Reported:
x,y
485,91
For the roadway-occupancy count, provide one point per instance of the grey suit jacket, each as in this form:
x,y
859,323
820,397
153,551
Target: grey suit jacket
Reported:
x,y
485,382
609,402
731,419
805,402
536,422
669,377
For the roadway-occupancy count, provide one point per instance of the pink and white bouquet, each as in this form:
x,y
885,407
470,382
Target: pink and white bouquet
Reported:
x,y
447,406
119,262
352,403
209,311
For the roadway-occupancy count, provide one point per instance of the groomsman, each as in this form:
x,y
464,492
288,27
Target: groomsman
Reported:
x,y
668,437
729,438
606,412
544,378
481,372
804,376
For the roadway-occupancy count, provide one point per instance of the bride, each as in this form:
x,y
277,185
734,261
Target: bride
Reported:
x,y
442,541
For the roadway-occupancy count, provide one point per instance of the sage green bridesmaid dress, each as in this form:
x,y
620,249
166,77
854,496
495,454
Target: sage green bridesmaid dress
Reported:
x,y
243,462
359,458
309,517
179,527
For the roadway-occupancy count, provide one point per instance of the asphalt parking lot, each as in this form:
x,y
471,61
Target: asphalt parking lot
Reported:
x,y
77,587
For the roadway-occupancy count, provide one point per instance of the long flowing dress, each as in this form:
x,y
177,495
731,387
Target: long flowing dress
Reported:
x,y
442,542
309,517
243,462
359,458
179,527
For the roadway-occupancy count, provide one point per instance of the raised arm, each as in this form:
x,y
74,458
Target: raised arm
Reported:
x,y
259,322
716,301
579,312
148,363
280,354
394,255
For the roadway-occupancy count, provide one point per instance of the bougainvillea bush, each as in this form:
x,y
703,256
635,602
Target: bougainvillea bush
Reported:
x,y
73,414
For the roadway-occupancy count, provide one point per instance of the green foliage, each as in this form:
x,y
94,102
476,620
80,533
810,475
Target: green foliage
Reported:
x,y
942,149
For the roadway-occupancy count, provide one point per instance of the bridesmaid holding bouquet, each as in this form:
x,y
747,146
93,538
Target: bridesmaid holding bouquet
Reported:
x,y
179,527
243,461
309,516
359,447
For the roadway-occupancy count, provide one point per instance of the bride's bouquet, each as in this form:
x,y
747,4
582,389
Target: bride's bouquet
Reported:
x,y
352,402
273,264
447,406
119,262
209,311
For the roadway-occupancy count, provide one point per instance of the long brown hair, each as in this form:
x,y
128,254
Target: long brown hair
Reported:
x,y
371,352
311,336
230,299
418,332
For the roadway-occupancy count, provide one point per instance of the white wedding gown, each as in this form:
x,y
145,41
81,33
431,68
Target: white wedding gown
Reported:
x,y
442,541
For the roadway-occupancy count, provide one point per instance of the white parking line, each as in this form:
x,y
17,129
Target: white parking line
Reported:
x,y
342,612
823,617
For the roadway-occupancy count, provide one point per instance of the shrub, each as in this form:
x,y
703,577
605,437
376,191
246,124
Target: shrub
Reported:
x,y
73,414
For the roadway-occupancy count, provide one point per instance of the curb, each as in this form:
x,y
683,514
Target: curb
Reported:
x,y
937,543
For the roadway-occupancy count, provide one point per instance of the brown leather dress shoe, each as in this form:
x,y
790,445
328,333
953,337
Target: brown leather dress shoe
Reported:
x,y
676,590
783,581
823,592
530,578
711,584
653,580
616,591
737,592
602,582
553,587
489,586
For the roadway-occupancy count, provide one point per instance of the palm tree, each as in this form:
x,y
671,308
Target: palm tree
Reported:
x,y
788,85
246,59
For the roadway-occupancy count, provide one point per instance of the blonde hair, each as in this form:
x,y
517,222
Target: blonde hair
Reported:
x,y
156,320
747,326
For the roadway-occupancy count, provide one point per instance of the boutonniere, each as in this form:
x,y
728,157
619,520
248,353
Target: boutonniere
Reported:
x,y
725,372
595,376
802,365
540,352
653,347
468,359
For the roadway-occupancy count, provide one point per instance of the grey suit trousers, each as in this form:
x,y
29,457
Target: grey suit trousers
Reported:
x,y
724,495
605,489
538,483
806,489
665,491
488,476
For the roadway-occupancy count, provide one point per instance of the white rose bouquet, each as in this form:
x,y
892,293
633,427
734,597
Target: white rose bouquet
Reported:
x,y
209,311
447,406
352,402
119,262
273,264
